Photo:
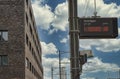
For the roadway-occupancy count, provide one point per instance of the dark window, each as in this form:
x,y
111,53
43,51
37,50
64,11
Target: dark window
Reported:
x,y
27,63
27,39
27,2
3,60
27,18
32,51
30,29
32,69
0,61
33,24
30,46
3,35
31,14
30,66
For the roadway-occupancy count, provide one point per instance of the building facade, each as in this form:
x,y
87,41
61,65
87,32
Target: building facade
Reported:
x,y
20,49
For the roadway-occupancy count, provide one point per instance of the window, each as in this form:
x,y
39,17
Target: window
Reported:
x,y
27,63
31,30
27,2
3,35
27,18
30,66
3,60
30,14
32,69
27,39
30,46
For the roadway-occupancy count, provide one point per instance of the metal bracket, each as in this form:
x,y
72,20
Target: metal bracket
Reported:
x,y
74,31
70,18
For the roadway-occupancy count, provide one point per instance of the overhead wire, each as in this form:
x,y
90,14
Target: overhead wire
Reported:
x,y
95,10
84,5
86,8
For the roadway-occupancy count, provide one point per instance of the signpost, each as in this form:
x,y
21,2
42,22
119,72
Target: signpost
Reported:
x,y
98,27
74,40
86,28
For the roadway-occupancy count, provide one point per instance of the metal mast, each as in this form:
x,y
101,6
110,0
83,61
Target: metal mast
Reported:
x,y
59,64
74,39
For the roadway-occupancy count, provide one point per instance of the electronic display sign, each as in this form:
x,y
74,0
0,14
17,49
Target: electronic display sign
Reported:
x,y
98,27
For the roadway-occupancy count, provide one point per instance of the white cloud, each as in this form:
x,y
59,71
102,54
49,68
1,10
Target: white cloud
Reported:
x,y
52,62
105,45
58,19
43,15
96,65
103,9
119,31
49,62
48,49
61,17
109,45
46,19
88,78
65,40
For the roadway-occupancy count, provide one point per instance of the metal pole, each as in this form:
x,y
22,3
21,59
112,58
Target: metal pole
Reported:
x,y
74,39
59,64
119,74
51,72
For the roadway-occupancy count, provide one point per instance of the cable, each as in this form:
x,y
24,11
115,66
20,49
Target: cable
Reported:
x,y
95,12
86,7
84,1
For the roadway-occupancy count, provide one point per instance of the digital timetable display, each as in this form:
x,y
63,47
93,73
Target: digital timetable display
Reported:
x,y
98,27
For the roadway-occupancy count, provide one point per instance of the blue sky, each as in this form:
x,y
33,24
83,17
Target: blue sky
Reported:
x,y
52,23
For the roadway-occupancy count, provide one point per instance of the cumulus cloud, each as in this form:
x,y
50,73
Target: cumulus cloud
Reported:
x,y
96,65
48,49
46,19
49,62
109,10
58,20
89,78
43,15
52,62
61,17
105,45
104,10
119,31
64,40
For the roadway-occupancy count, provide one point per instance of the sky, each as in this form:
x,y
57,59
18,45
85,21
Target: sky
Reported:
x,y
53,29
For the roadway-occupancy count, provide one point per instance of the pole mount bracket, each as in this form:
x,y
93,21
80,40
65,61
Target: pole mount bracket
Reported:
x,y
74,31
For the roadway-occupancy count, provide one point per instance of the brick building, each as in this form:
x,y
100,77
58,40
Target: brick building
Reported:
x,y
20,49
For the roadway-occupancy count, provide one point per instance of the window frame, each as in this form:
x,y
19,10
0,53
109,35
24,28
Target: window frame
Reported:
x,y
3,35
3,60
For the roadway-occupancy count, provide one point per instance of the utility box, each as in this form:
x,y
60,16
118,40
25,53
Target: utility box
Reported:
x,y
98,28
